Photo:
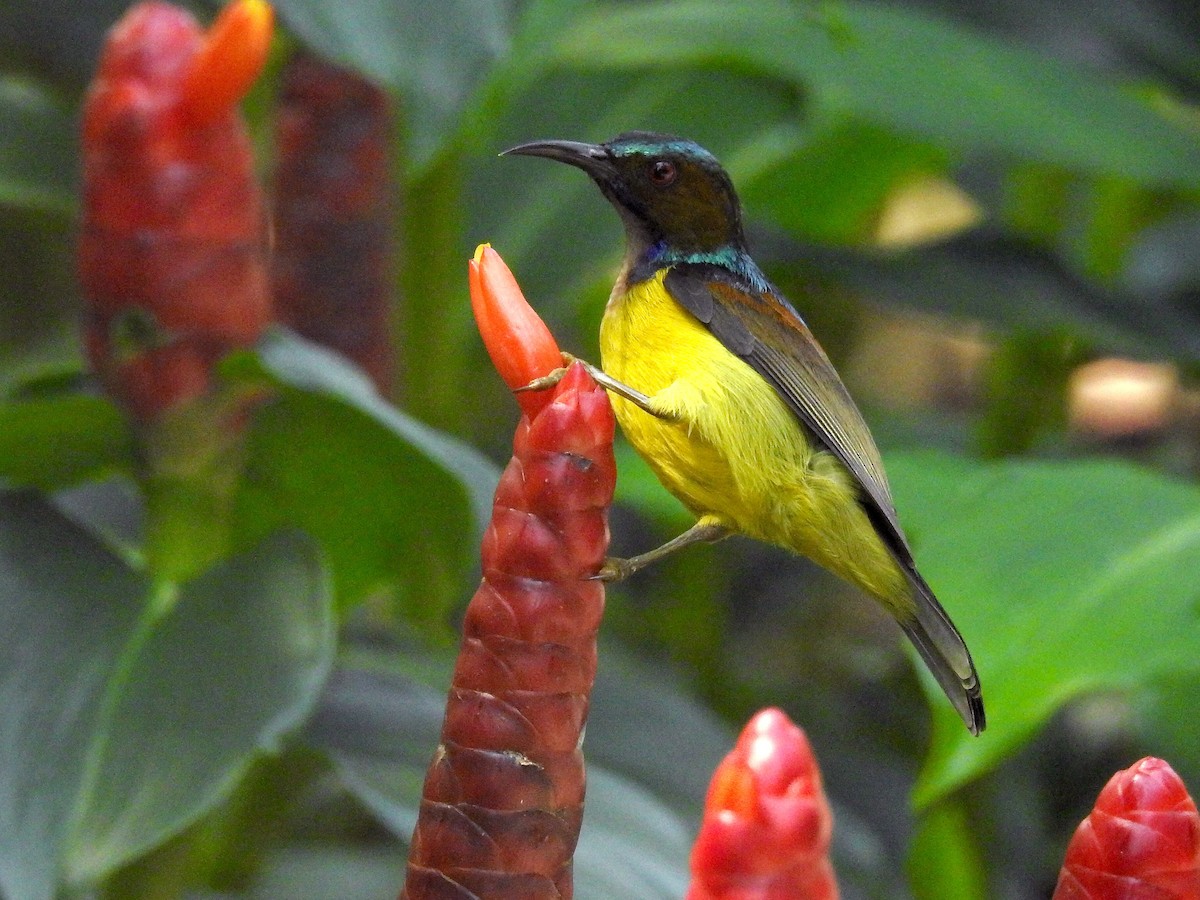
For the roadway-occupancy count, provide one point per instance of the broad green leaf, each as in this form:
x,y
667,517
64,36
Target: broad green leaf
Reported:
x,y
433,57
631,845
298,363
57,441
644,727
232,668
131,709
308,870
396,505
907,70
1064,578
37,149
1169,726
69,607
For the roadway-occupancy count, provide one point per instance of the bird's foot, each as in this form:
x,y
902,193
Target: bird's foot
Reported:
x,y
550,379
615,569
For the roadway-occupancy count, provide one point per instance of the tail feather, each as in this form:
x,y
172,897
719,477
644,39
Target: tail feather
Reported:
x,y
946,654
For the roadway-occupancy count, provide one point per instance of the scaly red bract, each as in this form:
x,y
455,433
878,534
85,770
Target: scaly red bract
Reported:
x,y
503,798
174,224
767,824
1141,841
333,212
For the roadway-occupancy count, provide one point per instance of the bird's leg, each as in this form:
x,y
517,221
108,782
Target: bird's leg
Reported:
x,y
602,378
706,529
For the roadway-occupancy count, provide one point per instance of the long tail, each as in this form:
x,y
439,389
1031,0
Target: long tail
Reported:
x,y
945,653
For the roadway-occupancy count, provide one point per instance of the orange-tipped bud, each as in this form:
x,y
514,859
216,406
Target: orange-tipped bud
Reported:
x,y
172,251
767,823
1142,839
518,341
230,60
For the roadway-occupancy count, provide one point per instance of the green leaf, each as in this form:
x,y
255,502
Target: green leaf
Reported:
x,y
906,70
395,504
69,607
433,58
1064,578
944,861
132,709
57,441
831,187
37,150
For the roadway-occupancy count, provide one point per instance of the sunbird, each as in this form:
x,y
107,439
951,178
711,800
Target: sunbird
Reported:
x,y
721,387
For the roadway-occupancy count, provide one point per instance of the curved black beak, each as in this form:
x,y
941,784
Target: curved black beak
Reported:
x,y
592,158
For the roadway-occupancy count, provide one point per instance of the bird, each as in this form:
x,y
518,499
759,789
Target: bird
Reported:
x,y
719,385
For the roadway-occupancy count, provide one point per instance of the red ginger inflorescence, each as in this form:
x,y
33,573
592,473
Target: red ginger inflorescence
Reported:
x,y
1141,841
767,824
503,798
333,212
172,248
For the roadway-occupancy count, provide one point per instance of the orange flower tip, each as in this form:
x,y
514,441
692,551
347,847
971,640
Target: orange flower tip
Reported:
x,y
230,60
733,792
518,341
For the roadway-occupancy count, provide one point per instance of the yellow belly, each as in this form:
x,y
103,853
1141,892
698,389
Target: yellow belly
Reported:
x,y
737,454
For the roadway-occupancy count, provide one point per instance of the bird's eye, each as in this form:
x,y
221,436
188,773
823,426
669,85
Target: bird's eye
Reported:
x,y
662,172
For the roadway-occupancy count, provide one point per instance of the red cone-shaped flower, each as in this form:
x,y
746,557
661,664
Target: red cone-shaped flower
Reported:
x,y
503,798
767,823
1140,842
172,248
334,212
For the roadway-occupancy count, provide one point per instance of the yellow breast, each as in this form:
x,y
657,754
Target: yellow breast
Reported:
x,y
731,426
735,451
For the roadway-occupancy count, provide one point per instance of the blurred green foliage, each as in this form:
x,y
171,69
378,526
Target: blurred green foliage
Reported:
x,y
164,698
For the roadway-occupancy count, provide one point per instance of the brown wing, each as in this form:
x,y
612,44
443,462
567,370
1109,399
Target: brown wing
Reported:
x,y
766,332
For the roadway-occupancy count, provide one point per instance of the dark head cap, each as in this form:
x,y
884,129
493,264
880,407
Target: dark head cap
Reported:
x,y
666,188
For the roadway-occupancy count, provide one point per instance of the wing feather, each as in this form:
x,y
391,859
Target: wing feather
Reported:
x,y
764,330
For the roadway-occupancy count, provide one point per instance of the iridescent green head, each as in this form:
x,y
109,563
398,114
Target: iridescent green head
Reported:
x,y
670,191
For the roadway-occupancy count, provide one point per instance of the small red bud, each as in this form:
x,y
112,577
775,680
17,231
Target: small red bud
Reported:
x,y
767,823
1141,840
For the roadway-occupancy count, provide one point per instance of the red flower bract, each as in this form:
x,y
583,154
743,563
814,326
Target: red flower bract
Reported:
x,y
332,266
767,824
172,247
1141,841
